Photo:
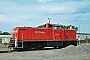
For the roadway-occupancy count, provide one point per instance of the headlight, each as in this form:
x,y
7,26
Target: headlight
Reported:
x,y
16,31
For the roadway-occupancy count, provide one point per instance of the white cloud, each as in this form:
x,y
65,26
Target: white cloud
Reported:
x,y
7,19
34,13
44,1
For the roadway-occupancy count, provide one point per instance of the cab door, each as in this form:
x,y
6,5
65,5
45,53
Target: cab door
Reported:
x,y
22,34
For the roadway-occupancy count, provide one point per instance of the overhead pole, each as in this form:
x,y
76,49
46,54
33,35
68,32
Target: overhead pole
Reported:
x,y
58,23
79,34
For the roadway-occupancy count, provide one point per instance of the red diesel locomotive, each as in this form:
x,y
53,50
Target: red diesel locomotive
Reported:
x,y
52,35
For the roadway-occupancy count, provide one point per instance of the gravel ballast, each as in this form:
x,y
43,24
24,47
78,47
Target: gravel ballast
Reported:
x,y
71,52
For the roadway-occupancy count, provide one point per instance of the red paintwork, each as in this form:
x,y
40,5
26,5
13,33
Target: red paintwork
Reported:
x,y
47,25
28,33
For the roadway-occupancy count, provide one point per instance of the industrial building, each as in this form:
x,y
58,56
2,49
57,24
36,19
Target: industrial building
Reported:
x,y
83,37
5,36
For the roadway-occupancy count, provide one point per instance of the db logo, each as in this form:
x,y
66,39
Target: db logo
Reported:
x,y
39,32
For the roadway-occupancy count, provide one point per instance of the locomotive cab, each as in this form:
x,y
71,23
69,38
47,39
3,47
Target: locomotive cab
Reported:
x,y
55,26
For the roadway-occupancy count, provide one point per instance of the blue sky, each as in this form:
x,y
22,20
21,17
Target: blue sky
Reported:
x,y
36,12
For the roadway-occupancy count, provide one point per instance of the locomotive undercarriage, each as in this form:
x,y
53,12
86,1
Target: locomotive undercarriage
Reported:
x,y
30,45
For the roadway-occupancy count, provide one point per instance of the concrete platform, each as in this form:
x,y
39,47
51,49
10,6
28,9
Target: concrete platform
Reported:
x,y
4,49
